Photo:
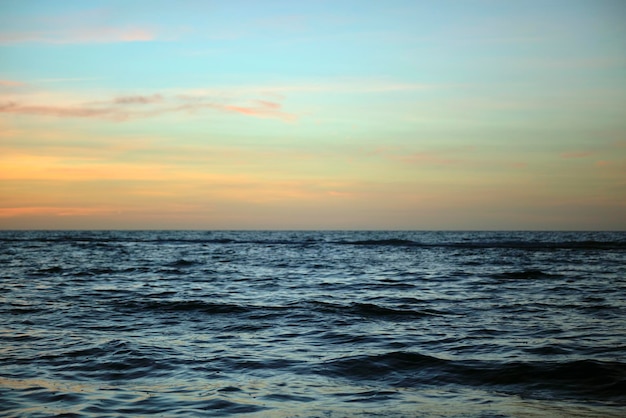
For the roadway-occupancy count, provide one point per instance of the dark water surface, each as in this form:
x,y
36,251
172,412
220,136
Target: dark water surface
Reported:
x,y
335,324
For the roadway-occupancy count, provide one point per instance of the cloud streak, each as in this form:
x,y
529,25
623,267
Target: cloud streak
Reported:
x,y
426,158
63,111
576,154
10,83
130,107
262,109
81,35
155,98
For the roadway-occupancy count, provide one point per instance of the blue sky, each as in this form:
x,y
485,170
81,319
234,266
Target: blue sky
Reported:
x,y
315,114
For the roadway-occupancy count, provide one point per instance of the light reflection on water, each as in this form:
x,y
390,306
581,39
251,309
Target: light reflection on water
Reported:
x,y
312,324
275,398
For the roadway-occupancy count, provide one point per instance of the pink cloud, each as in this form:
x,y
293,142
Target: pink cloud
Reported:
x,y
576,154
63,111
80,35
155,98
10,83
123,108
10,212
428,159
92,25
620,143
262,109
137,35
107,35
244,110
269,105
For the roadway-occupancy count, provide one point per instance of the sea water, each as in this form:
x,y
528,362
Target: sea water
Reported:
x,y
300,324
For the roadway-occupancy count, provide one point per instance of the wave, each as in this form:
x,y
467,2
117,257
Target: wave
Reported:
x,y
113,360
22,308
307,308
520,245
530,241
545,245
383,242
371,310
49,270
581,378
183,306
529,274
182,263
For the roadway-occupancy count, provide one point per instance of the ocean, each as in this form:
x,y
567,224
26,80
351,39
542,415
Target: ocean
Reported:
x,y
312,324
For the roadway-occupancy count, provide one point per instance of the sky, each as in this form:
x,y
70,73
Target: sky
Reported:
x,y
343,114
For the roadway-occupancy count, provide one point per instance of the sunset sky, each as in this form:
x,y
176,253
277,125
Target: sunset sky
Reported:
x,y
313,114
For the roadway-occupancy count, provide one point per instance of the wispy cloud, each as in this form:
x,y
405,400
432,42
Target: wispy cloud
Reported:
x,y
129,107
10,83
353,86
434,157
259,101
427,158
576,154
620,143
518,165
81,35
348,85
604,163
65,79
63,111
11,212
10,87
155,98
449,159
263,109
